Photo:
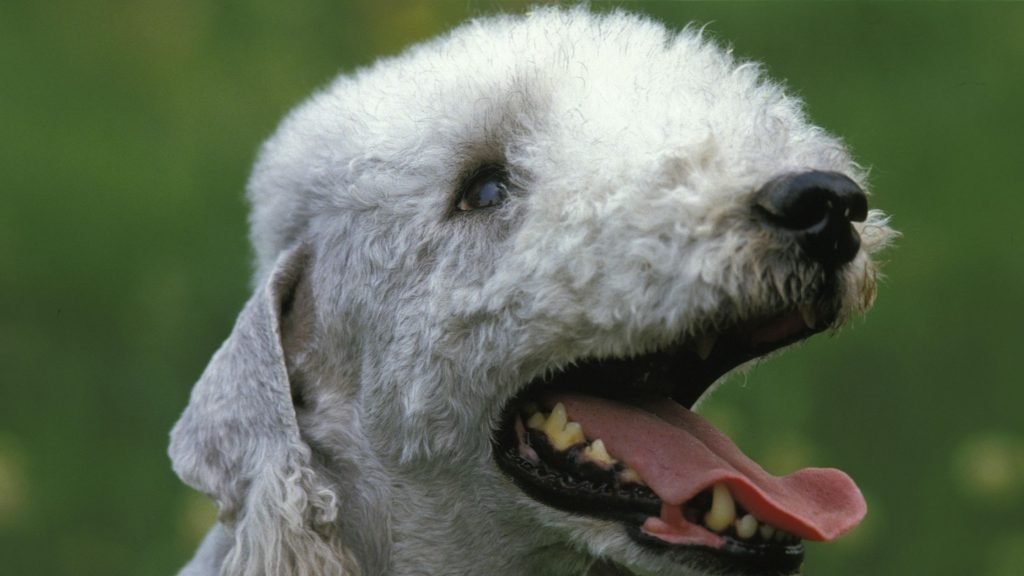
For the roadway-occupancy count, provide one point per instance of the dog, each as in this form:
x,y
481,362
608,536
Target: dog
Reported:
x,y
494,275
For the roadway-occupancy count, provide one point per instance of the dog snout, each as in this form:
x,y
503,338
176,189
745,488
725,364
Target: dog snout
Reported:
x,y
818,209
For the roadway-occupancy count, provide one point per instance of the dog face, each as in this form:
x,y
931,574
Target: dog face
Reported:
x,y
530,221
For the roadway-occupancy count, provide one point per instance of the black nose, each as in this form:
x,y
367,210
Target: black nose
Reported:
x,y
817,208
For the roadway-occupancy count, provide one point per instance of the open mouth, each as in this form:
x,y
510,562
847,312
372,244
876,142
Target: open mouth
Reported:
x,y
615,439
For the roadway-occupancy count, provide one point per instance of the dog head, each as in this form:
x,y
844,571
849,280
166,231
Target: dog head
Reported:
x,y
530,220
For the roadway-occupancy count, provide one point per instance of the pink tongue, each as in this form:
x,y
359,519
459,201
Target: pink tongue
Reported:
x,y
679,454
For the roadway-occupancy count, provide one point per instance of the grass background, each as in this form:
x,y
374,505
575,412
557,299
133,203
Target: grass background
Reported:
x,y
128,129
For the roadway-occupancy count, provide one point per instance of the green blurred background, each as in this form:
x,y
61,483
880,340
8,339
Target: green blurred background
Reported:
x,y
128,129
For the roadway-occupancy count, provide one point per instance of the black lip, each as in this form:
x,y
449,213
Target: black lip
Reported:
x,y
576,495
733,558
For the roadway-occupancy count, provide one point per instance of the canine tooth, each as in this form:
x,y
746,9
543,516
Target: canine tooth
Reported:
x,y
767,531
556,421
704,346
723,509
809,314
630,476
746,527
597,453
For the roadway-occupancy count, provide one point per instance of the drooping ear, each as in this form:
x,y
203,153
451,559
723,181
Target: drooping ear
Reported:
x,y
238,441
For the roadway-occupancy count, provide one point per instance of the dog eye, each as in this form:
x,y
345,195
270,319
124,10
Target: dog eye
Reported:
x,y
487,187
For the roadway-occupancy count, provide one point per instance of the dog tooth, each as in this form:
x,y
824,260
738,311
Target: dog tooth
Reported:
x,y
630,476
810,315
704,346
536,421
598,454
767,531
723,509
556,421
746,527
571,435
558,415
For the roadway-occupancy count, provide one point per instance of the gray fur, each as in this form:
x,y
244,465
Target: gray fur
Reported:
x,y
344,427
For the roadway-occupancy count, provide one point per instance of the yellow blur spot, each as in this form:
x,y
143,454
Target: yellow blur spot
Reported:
x,y
198,515
14,498
991,466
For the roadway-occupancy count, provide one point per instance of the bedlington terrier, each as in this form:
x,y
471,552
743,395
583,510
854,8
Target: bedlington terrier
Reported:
x,y
494,274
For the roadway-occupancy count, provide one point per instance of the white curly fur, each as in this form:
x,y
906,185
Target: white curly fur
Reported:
x,y
344,427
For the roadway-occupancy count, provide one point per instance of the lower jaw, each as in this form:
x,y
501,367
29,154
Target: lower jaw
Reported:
x,y
731,558
633,508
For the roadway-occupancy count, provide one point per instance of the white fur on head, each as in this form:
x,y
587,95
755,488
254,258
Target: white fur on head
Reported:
x,y
633,155
238,442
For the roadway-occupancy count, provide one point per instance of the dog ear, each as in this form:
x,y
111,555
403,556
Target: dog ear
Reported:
x,y
238,441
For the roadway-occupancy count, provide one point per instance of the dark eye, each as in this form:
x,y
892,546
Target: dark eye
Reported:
x,y
485,188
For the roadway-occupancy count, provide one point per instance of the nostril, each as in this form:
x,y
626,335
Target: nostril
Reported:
x,y
804,200
818,209
808,208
